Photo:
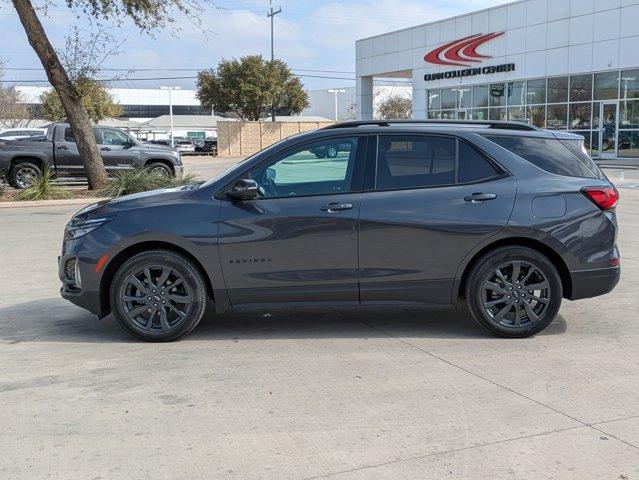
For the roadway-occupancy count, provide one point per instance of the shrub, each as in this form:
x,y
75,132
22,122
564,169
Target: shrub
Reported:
x,y
43,189
136,180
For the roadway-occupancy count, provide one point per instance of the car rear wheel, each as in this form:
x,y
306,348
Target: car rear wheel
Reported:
x,y
158,296
332,151
514,292
160,169
24,174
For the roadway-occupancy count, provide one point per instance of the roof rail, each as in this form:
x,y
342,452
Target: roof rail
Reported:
x,y
388,123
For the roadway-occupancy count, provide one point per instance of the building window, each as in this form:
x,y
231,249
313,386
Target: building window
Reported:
x,y
480,96
497,95
537,115
479,114
629,114
629,84
581,88
465,97
449,98
628,144
580,116
606,86
517,114
557,117
516,93
558,90
497,114
536,91
434,99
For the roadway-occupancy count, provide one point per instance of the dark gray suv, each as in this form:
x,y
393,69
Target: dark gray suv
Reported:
x,y
506,216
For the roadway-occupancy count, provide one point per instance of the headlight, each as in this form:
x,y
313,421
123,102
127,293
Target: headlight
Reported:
x,y
78,228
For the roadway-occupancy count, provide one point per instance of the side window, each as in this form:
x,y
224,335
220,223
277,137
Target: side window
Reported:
x,y
320,168
546,153
68,135
113,137
406,161
473,165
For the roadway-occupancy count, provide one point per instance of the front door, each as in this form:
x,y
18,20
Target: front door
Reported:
x,y
432,201
116,148
297,242
608,130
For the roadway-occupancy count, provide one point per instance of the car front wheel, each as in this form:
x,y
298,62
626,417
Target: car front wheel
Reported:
x,y
158,296
514,292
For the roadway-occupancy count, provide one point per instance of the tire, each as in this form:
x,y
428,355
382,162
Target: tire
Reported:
x,y
332,151
161,169
505,307
188,296
21,173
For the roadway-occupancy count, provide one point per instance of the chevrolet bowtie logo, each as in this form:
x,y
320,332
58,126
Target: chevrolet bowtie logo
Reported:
x,y
460,52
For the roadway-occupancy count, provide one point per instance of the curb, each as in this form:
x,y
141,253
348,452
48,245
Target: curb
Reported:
x,y
51,203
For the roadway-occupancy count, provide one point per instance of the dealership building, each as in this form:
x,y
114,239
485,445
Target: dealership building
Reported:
x,y
568,65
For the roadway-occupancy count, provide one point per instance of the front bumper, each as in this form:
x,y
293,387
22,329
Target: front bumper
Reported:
x,y
592,283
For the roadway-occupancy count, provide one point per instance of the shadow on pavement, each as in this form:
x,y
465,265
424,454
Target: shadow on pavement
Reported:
x,y
52,320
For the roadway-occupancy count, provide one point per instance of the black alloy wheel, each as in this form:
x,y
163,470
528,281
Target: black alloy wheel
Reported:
x,y
514,292
158,296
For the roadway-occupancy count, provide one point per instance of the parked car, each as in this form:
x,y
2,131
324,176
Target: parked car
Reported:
x,y
206,146
23,160
330,151
15,133
504,216
185,147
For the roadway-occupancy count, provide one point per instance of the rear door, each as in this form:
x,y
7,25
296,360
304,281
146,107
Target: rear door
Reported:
x,y
429,200
297,242
67,157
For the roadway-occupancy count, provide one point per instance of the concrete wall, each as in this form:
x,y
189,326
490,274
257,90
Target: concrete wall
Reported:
x,y
246,138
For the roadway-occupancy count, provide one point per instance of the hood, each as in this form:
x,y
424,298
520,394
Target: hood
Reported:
x,y
157,147
136,200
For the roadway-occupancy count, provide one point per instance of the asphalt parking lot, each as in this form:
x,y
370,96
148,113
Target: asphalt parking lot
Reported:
x,y
396,393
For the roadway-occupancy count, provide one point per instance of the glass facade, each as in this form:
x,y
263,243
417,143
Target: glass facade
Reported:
x,y
602,107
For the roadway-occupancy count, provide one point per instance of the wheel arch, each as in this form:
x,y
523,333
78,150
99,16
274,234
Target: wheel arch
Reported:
x,y
37,161
160,160
132,250
538,246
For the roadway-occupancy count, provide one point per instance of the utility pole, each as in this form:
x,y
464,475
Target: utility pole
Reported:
x,y
271,14
336,91
170,89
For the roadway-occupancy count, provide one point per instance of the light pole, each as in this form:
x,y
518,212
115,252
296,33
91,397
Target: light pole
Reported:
x,y
335,92
271,13
171,108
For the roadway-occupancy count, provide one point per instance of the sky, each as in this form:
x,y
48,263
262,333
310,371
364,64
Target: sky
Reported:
x,y
315,37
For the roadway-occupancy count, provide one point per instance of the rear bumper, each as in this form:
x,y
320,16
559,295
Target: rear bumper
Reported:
x,y
592,283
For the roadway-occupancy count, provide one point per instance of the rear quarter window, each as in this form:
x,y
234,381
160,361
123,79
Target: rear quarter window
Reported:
x,y
550,155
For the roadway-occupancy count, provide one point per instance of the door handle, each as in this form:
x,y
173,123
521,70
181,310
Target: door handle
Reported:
x,y
480,197
336,207
63,147
105,149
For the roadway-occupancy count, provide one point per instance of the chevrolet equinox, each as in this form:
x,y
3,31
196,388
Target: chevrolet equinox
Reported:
x,y
505,217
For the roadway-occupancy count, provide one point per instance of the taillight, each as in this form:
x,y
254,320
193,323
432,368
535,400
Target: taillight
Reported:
x,y
604,197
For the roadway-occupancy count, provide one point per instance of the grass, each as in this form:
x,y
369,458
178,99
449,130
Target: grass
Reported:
x,y
136,180
43,189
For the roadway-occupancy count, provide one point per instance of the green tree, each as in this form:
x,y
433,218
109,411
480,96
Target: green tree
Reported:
x,y
97,101
395,107
147,15
250,87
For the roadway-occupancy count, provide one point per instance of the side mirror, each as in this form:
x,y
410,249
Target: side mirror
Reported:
x,y
243,189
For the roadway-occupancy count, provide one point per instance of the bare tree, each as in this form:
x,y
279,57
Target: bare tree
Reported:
x,y
14,112
395,107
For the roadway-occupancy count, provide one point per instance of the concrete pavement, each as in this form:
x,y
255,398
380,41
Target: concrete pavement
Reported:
x,y
326,393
